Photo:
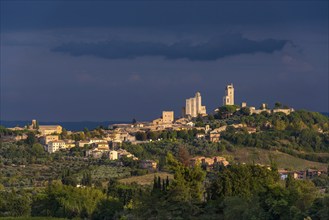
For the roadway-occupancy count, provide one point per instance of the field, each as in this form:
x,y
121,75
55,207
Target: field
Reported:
x,y
146,179
37,175
261,156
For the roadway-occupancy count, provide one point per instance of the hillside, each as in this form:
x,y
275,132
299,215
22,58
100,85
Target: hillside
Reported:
x,y
146,179
262,156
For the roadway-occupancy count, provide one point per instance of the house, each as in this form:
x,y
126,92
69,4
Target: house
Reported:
x,y
101,145
82,143
295,174
283,110
20,137
48,138
214,136
167,118
54,146
50,129
149,164
124,153
96,140
220,129
69,143
99,151
113,126
209,161
283,174
251,130
312,173
16,129
182,121
113,155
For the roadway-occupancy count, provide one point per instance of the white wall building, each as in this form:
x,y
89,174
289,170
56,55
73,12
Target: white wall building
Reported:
x,y
113,155
54,146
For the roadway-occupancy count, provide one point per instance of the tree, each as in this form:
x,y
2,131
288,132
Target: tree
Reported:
x,y
15,203
183,155
67,201
68,179
245,111
107,208
141,136
86,179
63,135
31,139
277,105
188,182
211,117
152,135
37,150
226,111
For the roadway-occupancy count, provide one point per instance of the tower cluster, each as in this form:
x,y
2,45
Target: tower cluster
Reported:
x,y
194,107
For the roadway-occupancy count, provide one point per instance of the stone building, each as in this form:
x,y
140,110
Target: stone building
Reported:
x,y
148,164
167,118
48,138
194,106
228,99
50,129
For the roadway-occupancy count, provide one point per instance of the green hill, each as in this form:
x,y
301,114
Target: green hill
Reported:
x,y
262,156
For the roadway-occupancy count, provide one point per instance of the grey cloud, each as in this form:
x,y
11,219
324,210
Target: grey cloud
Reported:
x,y
213,49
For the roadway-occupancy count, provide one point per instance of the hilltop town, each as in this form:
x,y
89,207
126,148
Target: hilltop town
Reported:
x,y
107,142
280,144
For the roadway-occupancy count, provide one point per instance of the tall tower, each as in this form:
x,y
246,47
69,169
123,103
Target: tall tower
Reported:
x,y
198,102
228,99
194,106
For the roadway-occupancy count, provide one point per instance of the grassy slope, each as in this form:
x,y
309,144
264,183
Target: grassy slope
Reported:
x,y
248,155
146,179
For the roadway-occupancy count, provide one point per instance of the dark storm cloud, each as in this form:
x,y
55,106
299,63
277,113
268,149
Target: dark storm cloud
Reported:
x,y
213,49
58,14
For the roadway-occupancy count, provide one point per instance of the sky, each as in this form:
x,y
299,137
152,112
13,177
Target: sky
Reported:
x,y
119,60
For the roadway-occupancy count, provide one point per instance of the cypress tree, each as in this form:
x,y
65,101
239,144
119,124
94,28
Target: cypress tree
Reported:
x,y
155,184
159,183
167,182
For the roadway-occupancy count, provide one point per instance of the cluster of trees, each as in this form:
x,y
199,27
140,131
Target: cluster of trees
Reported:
x,y
83,135
22,153
306,140
232,192
167,134
295,121
64,201
7,132
158,150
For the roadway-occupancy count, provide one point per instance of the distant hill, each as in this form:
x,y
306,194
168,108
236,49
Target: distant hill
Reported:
x,y
71,126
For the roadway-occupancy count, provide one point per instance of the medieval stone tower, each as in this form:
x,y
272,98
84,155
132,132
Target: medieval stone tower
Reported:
x,y
228,99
